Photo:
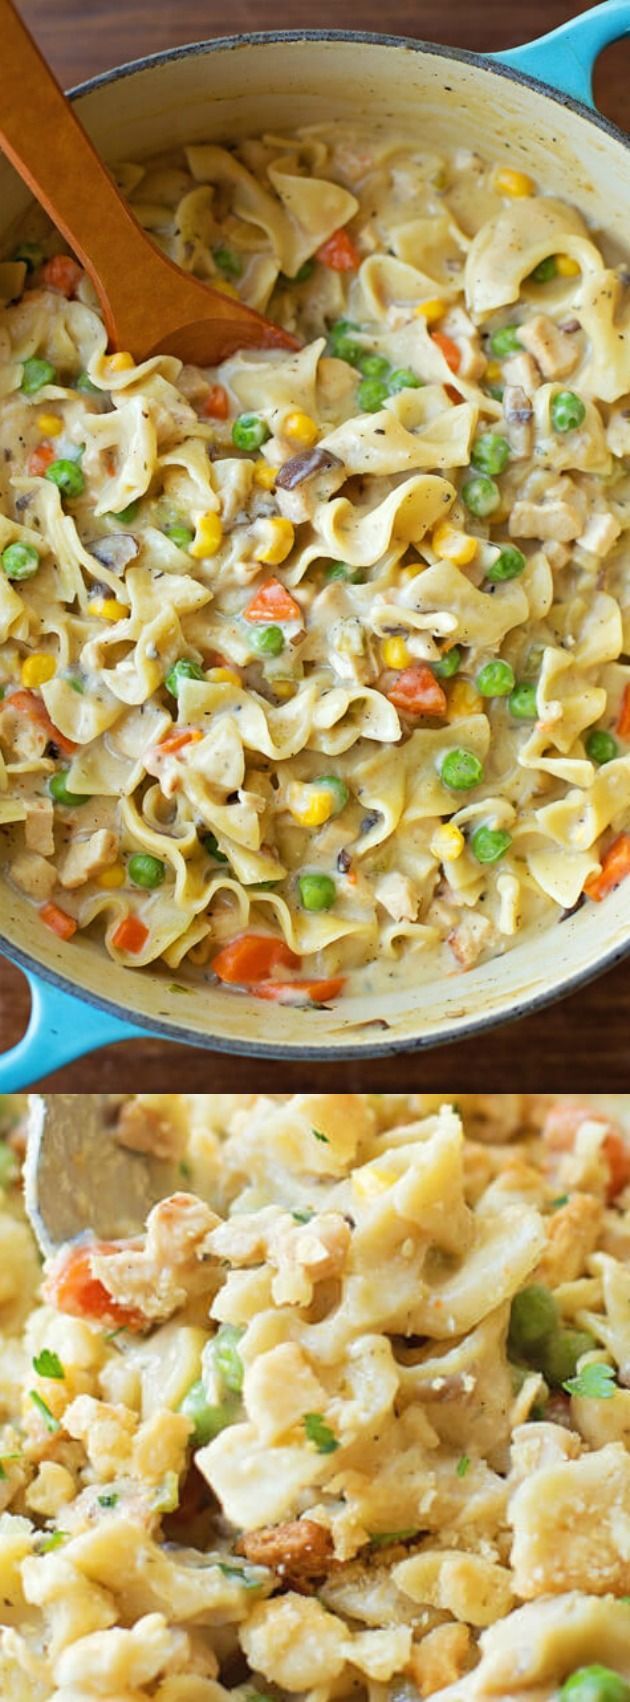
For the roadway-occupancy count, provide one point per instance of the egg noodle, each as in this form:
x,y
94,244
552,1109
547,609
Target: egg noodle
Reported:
x,y
349,1420
325,647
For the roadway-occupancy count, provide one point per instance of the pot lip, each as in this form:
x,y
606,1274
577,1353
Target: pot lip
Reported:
x,y
327,1052
380,1045
261,38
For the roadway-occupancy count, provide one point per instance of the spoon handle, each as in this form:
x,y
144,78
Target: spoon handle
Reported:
x,y
49,148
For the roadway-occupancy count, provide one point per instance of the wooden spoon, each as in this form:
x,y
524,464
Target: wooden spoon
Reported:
x,y
149,305
78,1178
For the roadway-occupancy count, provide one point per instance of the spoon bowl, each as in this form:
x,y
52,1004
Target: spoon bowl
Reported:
x,y
77,1176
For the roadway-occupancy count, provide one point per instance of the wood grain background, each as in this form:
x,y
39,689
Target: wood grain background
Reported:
x,y
581,1043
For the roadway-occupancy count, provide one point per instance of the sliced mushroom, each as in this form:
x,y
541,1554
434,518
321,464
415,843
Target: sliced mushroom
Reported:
x,y
115,550
518,414
303,466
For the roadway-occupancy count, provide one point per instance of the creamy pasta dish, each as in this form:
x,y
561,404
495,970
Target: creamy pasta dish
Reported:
x,y
319,659
350,1419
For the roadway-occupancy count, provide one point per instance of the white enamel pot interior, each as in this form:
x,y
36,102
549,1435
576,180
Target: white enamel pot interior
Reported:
x,y
221,91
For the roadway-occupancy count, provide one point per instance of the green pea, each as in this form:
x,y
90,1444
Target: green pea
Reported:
x,y
179,534
229,263
59,791
208,1420
67,476
250,431
461,769
317,892
481,495
488,844
567,411
373,366
338,788
211,845
31,253
342,343
268,640
20,561
84,383
145,870
504,342
402,378
304,272
490,452
601,746
371,394
496,679
127,514
183,669
522,703
544,271
341,570
560,1353
227,1358
36,373
594,1684
533,1317
508,565
448,664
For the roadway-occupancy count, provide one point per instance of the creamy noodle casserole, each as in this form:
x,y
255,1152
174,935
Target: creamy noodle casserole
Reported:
x,y
350,1420
318,660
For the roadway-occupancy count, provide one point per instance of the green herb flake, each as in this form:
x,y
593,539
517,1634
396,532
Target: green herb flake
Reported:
x,y
185,1170
302,1216
320,1136
251,1577
54,1540
108,1500
462,1465
48,1364
595,1381
387,1539
175,987
52,1424
560,1200
319,1433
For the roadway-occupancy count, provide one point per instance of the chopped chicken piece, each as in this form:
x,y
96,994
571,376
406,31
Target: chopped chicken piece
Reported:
x,y
572,1234
34,875
303,1253
555,351
86,857
559,515
618,430
600,533
471,936
518,415
521,370
397,895
169,1263
38,827
459,325
537,1445
557,554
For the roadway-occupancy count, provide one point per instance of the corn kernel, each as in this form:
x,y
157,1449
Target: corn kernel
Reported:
x,y
264,475
120,362
494,372
372,1180
395,653
299,428
284,689
431,310
277,543
208,536
463,700
108,609
447,843
411,571
111,877
452,545
224,288
515,183
223,676
38,668
566,267
50,425
310,805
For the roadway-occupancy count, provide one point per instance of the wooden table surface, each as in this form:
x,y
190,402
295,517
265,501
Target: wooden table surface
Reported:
x,y
583,1041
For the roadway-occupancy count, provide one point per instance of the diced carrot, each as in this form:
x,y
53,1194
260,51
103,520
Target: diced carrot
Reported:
x,y
40,459
71,1286
253,957
177,741
130,935
59,920
623,723
299,992
272,602
216,404
28,703
615,867
561,1125
416,691
62,273
616,1152
453,394
339,252
449,349
559,1132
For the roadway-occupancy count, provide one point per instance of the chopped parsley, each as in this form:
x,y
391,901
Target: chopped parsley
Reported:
x,y
53,1540
185,1170
320,1136
108,1500
596,1381
48,1364
560,1200
52,1424
319,1433
302,1216
386,1539
462,1465
251,1577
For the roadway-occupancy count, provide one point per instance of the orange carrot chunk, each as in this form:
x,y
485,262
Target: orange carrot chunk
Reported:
x,y
617,1155
272,602
449,349
61,923
416,691
40,459
62,273
339,253
623,724
216,405
615,867
71,1286
28,703
299,992
130,935
252,958
178,740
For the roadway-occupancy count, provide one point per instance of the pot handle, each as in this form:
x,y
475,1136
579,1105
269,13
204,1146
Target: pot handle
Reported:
x,y
565,58
60,1029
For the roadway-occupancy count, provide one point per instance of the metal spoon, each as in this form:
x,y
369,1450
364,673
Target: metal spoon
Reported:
x,y
149,305
78,1177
